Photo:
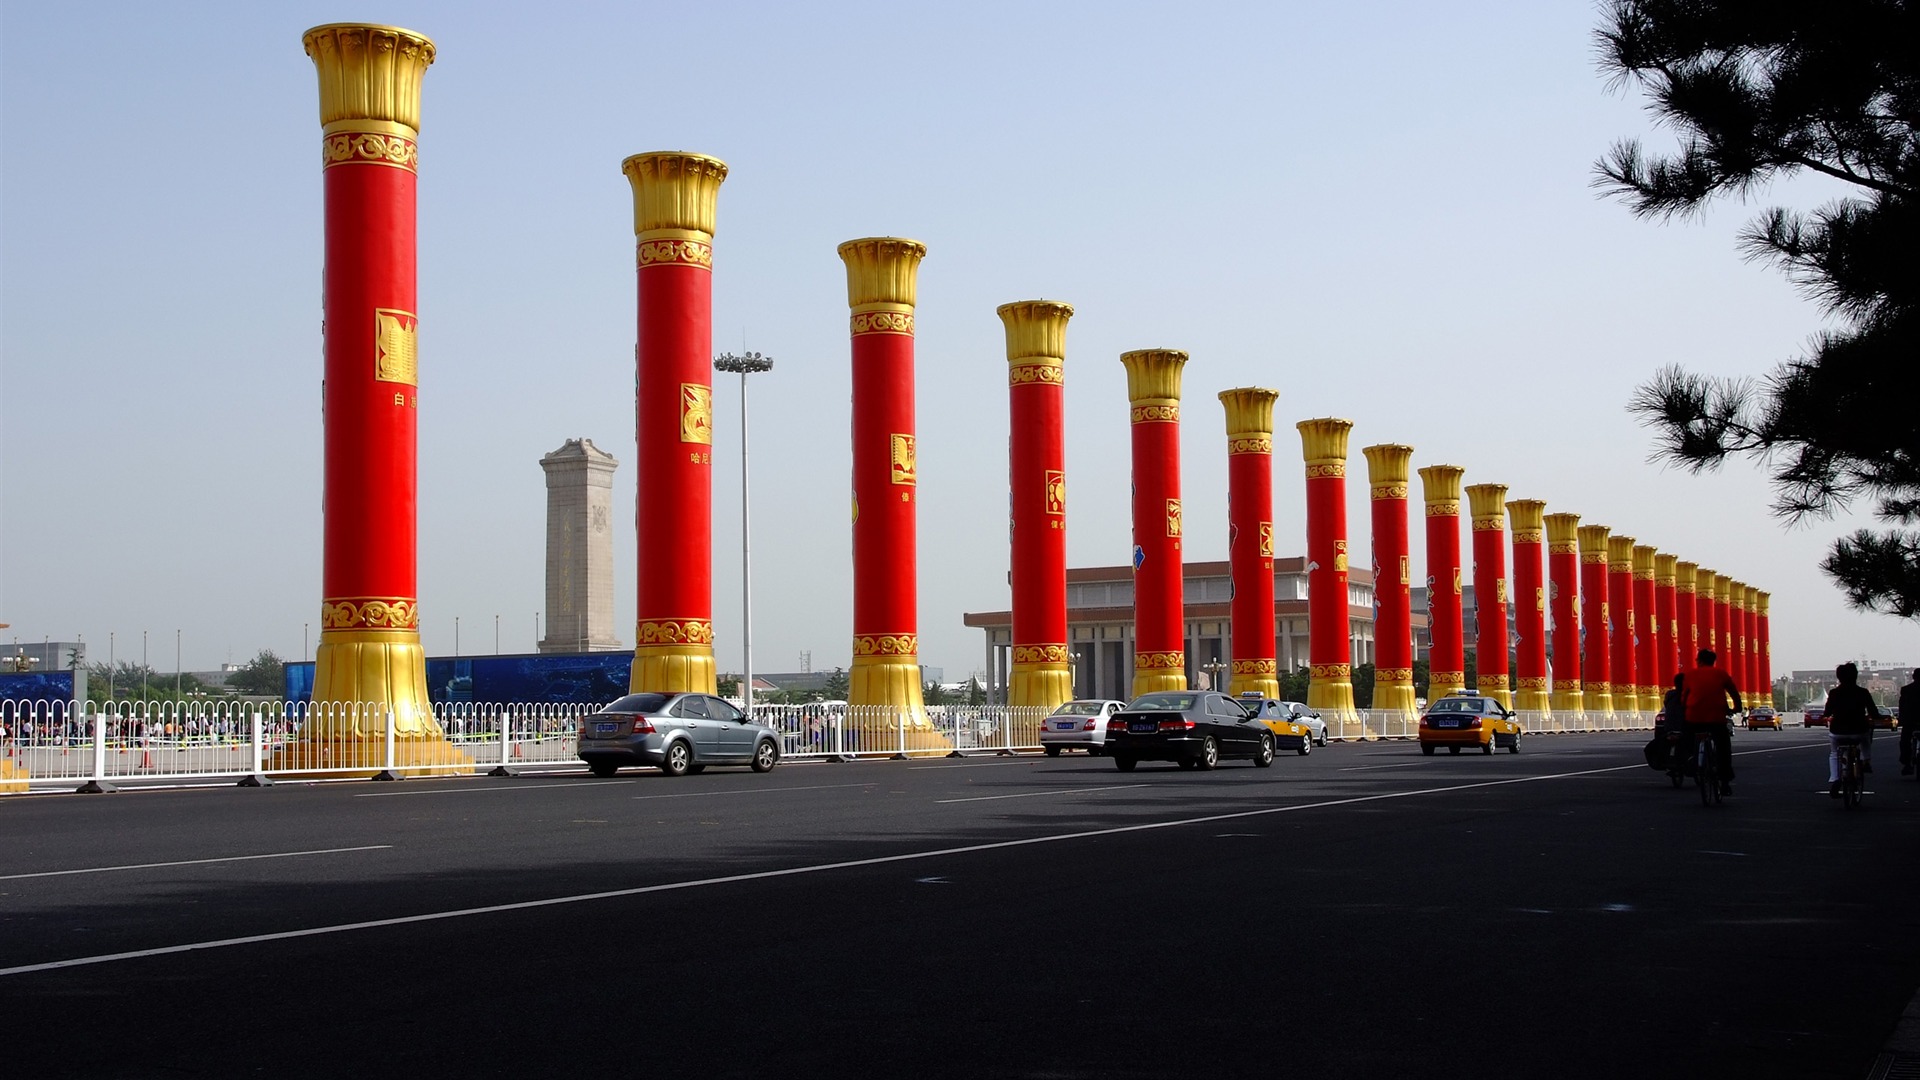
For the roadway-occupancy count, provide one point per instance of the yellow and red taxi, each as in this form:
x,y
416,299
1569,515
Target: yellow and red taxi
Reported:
x,y
1464,719
1289,733
1760,716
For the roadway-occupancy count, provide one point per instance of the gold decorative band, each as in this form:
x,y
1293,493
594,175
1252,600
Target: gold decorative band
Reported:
x,y
1685,590
1256,667
1393,675
1330,671
1040,654
1643,575
1492,682
369,148
1325,470
674,632
1447,678
886,645
673,253
882,322
1529,536
1449,508
1531,682
1564,547
1166,660
1031,372
1155,414
1388,491
1593,558
369,613
1493,523
1250,444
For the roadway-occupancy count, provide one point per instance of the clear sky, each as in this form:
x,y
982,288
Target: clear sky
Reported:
x,y
1380,209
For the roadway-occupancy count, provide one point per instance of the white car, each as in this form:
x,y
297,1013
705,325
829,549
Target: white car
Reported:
x,y
1078,725
1304,715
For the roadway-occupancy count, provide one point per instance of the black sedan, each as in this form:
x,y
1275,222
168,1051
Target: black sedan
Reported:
x,y
1193,728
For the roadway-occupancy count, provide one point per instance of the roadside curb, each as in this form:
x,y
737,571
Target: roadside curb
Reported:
x,y
1900,1057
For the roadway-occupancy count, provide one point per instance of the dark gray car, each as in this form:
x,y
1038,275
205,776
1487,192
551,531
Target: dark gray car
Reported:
x,y
676,733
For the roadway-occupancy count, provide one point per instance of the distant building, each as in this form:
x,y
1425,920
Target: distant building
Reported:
x,y
579,550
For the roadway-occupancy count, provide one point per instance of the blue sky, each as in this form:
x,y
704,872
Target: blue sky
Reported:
x,y
1382,210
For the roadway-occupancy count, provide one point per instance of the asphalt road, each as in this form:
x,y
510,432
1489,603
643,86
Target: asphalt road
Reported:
x,y
1361,912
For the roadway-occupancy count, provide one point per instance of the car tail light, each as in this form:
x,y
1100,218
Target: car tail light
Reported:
x,y
1116,725
642,726
1088,726
1474,723
1177,725
1423,722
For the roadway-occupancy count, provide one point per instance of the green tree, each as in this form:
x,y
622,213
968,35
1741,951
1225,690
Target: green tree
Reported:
x,y
1293,685
728,686
262,676
1363,686
1757,91
976,694
934,694
839,685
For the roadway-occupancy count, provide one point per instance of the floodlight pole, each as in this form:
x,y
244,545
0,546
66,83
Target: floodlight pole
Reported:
x,y
745,365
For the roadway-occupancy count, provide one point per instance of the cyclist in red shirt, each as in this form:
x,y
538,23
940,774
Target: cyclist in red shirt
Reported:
x,y
1709,691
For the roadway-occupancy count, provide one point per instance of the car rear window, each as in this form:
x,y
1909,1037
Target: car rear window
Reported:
x,y
1163,702
1079,708
637,703
1470,705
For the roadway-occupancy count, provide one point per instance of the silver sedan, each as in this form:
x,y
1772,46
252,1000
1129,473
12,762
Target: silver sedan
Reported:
x,y
676,733
1304,715
1078,725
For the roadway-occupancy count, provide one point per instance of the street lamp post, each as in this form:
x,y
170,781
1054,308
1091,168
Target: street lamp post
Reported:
x,y
1214,669
744,365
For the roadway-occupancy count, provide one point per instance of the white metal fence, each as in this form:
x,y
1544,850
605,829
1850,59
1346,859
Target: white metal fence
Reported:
x,y
93,746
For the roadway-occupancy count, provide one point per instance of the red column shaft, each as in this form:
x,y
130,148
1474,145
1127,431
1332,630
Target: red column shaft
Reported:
x,y
1685,611
1037,479
1595,613
1329,640
673,433
1706,633
1765,688
1620,635
1490,605
1158,618
1250,556
1646,657
1750,652
1530,610
1392,582
371,396
886,599
1723,632
1666,640
1564,601
1445,616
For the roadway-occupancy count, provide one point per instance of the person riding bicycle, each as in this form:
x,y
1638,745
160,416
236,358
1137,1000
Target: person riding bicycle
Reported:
x,y
1910,711
1850,716
1709,690
1673,720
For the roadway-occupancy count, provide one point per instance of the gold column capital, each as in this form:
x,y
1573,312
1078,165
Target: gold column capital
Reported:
x,y
1643,561
882,270
1750,599
1036,329
1666,569
1594,543
1250,412
1722,589
1528,519
1683,575
1387,463
1704,582
1763,602
1323,440
1441,486
674,192
1563,532
1153,375
369,72
1620,554
1488,505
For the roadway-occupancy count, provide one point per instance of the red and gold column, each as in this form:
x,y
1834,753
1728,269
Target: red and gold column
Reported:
x,y
1646,661
1666,628
1763,629
1037,482
1685,616
369,664
882,279
1723,626
1563,597
1622,629
675,197
1487,503
1706,624
1530,686
1596,616
1159,614
1742,637
1250,538
1446,648
1329,621
1387,476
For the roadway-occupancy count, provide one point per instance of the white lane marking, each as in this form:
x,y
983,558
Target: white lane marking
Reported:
x,y
1031,794
1741,854
988,764
194,862
1367,768
768,875
752,791
489,788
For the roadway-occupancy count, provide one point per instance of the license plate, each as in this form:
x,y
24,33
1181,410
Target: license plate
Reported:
x,y
1446,723
1064,725
1149,726
604,728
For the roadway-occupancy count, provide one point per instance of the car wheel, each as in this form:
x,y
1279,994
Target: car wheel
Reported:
x,y
1487,747
679,759
603,769
1209,753
1324,738
1123,763
1427,749
765,756
1263,757
1052,751
1514,746
1453,749
1306,746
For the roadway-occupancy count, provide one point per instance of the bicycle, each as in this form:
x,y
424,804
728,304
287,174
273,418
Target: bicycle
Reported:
x,y
1851,776
1706,769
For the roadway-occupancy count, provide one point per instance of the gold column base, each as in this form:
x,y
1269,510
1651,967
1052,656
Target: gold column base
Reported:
x,y
1567,706
1651,699
677,668
1330,693
1395,696
1444,683
1253,677
1042,684
1530,695
360,679
1147,682
888,709
1599,702
13,777
1495,687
